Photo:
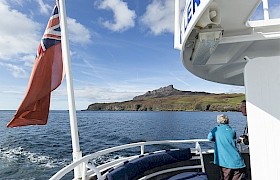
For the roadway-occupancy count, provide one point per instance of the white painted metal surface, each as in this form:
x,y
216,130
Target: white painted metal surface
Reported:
x,y
255,46
192,12
177,22
262,82
227,43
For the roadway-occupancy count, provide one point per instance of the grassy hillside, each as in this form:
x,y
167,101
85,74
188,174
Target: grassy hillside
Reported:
x,y
189,102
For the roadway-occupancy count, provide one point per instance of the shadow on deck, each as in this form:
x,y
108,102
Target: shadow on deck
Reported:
x,y
213,171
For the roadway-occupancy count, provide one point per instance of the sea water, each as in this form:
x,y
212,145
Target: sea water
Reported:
x,y
38,152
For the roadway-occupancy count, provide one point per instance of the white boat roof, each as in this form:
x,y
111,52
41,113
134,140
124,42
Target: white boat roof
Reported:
x,y
236,13
241,41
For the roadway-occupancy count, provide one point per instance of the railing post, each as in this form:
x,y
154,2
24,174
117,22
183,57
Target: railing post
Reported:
x,y
198,147
142,149
84,171
265,9
98,174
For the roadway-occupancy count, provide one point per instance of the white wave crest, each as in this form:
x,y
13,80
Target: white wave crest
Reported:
x,y
104,159
18,153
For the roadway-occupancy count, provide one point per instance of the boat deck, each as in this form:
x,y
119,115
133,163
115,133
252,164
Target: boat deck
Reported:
x,y
211,169
158,165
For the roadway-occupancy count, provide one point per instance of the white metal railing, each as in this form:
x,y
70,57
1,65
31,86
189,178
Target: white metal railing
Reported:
x,y
89,169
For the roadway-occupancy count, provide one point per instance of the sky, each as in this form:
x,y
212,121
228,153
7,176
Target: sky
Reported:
x,y
119,49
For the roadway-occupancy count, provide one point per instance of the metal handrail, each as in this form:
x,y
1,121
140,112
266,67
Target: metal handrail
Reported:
x,y
84,160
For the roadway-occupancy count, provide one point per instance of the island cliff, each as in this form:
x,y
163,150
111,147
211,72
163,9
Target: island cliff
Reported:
x,y
171,99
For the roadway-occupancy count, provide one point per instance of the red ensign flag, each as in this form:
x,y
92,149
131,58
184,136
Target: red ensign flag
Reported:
x,y
47,75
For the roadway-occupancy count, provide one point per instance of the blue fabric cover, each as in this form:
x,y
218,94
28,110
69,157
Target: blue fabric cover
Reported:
x,y
138,166
190,175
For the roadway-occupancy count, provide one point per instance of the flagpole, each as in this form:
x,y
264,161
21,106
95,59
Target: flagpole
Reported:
x,y
77,154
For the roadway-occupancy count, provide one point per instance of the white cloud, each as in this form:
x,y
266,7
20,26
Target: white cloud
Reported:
x,y
86,95
94,94
159,16
28,60
16,71
103,94
124,18
77,32
18,41
44,8
20,35
17,2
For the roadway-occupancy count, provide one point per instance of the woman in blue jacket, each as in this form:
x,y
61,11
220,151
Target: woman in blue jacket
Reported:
x,y
226,154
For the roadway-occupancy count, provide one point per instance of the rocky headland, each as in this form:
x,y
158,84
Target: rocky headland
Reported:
x,y
170,99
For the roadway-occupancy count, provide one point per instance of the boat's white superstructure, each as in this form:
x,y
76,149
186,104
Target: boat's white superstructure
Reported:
x,y
217,48
218,42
